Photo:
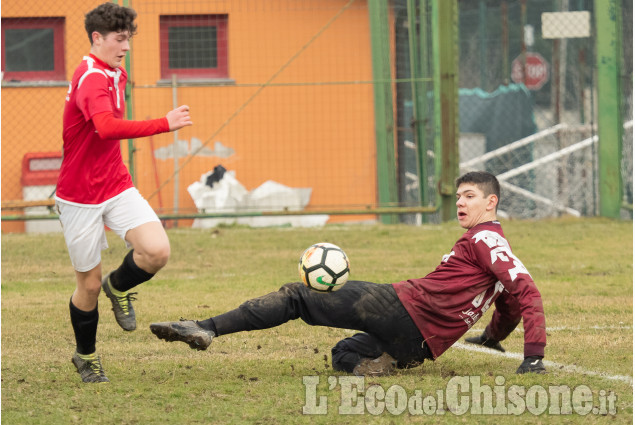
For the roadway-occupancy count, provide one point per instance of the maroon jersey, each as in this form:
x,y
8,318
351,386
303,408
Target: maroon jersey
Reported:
x,y
480,267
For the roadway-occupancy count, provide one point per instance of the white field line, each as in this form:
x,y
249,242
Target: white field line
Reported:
x,y
547,363
567,328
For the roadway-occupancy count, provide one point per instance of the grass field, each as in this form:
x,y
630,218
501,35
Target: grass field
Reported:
x,y
583,268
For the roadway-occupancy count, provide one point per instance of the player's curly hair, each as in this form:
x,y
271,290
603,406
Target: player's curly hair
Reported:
x,y
487,182
110,17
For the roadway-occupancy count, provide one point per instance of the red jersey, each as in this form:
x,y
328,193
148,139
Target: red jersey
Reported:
x,y
92,170
447,302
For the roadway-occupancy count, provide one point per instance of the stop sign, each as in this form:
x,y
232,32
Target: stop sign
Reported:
x,y
536,72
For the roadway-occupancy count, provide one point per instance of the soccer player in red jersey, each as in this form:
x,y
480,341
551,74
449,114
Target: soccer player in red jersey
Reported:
x,y
95,188
404,323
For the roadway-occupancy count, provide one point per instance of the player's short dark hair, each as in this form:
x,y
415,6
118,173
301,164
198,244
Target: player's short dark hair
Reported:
x,y
110,17
487,182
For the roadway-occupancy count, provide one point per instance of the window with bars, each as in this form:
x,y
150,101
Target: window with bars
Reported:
x,y
193,46
33,49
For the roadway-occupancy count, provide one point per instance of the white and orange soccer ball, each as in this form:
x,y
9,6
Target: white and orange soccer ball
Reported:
x,y
324,267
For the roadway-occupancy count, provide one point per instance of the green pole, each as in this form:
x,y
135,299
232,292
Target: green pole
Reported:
x,y
608,45
423,102
417,55
128,96
384,120
446,93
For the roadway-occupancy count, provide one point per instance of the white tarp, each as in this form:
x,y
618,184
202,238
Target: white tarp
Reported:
x,y
228,195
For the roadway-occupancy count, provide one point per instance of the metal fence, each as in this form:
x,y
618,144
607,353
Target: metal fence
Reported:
x,y
534,123
285,104
281,95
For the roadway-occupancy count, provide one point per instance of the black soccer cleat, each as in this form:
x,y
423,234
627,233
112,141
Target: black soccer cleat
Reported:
x,y
532,364
187,331
485,342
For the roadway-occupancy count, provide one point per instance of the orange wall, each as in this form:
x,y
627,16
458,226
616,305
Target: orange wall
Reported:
x,y
302,135
32,116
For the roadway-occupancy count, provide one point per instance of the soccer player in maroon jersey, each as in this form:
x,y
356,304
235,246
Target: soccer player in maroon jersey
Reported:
x,y
95,188
404,323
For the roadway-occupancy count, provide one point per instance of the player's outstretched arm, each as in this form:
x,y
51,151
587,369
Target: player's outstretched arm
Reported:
x,y
179,117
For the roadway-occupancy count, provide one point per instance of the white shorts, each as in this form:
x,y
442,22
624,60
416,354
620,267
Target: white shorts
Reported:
x,y
83,225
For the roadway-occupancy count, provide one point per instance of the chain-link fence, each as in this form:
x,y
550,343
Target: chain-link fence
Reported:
x,y
281,94
529,103
626,72
284,99
290,105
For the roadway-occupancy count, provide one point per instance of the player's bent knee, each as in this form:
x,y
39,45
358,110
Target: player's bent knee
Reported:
x,y
157,257
89,283
161,257
93,291
89,290
292,288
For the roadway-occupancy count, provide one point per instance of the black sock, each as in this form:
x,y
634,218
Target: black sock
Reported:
x,y
230,322
208,324
85,327
128,275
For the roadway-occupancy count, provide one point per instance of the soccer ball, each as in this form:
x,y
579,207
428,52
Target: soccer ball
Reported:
x,y
324,267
